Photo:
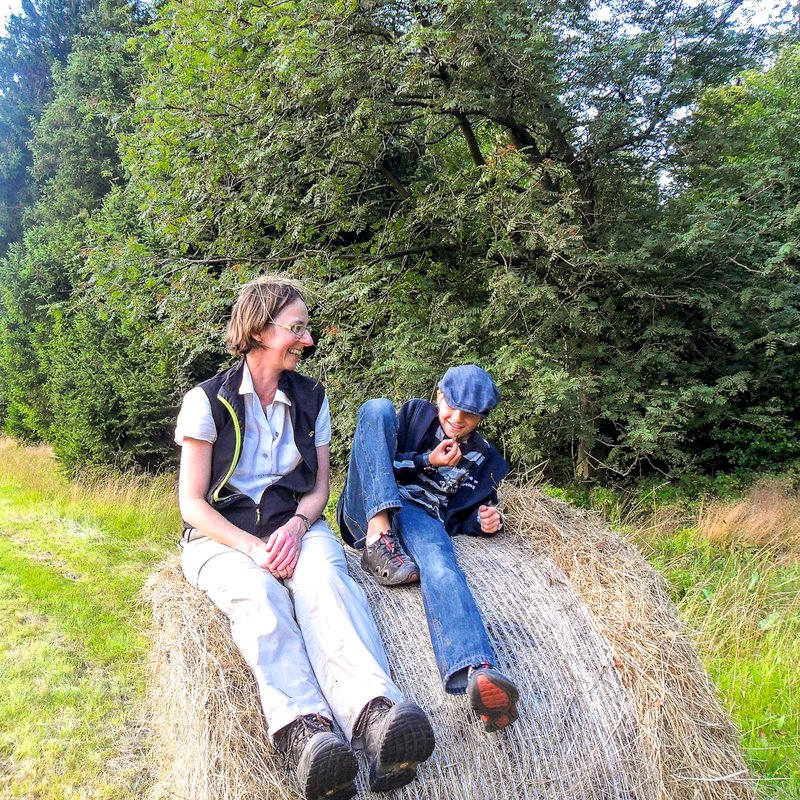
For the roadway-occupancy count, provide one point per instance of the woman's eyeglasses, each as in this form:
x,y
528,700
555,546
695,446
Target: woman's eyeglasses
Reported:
x,y
298,330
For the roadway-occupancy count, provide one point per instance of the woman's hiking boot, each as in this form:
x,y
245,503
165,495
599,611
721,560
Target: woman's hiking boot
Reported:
x,y
397,738
387,561
325,765
493,696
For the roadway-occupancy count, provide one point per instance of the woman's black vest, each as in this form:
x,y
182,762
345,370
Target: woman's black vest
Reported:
x,y
279,501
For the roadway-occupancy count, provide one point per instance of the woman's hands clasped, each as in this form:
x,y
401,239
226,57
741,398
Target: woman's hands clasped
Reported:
x,y
279,554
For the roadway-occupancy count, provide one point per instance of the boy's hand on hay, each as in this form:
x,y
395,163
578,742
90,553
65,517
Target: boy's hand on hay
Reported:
x,y
446,454
490,520
283,547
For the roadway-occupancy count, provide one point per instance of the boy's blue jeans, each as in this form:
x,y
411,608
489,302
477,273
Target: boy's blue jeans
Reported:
x,y
457,631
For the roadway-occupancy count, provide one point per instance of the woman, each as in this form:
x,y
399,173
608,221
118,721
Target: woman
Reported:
x,y
254,481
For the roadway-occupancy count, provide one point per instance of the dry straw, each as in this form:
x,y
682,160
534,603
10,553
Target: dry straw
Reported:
x,y
767,516
615,702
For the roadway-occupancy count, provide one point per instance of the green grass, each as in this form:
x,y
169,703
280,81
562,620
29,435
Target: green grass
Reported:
x,y
743,605
73,558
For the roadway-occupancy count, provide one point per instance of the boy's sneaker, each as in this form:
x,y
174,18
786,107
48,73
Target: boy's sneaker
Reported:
x,y
397,737
325,765
493,696
387,561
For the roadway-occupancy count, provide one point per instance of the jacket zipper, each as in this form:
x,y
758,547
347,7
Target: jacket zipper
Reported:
x,y
237,449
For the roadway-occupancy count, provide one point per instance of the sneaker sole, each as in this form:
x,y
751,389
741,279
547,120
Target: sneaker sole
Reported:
x,y
394,581
494,697
407,741
330,769
397,579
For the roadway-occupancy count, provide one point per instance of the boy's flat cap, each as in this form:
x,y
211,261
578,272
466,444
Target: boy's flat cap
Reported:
x,y
470,388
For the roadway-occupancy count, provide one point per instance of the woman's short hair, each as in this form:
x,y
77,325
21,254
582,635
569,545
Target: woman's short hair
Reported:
x,y
259,302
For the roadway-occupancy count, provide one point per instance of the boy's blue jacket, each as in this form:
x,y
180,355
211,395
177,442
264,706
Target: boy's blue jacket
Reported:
x,y
417,424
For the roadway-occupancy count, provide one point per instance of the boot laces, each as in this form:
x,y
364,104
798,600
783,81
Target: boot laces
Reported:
x,y
393,546
299,732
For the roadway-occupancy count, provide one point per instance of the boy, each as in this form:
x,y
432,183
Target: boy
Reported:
x,y
415,479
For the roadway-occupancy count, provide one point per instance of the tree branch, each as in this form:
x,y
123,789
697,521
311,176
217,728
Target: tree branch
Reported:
x,y
393,181
472,142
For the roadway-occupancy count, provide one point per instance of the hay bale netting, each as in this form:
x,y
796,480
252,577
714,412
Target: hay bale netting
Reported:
x,y
615,702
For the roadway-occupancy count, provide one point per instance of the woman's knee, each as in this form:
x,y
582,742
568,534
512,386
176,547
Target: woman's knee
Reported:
x,y
321,559
255,584
328,584
249,592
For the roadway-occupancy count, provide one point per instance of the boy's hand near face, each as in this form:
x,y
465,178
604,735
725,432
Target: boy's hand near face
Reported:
x,y
446,454
490,519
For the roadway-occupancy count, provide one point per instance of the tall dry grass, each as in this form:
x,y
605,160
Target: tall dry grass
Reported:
x,y
767,516
148,503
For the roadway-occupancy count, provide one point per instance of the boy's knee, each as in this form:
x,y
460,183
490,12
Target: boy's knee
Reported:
x,y
377,408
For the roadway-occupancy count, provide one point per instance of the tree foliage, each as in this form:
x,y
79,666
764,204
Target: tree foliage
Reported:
x,y
464,180
536,187
37,41
734,224
75,163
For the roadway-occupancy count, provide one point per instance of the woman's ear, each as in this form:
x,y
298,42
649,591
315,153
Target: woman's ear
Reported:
x,y
258,339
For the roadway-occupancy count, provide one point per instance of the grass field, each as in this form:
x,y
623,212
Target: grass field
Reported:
x,y
733,566
73,557
72,561
743,603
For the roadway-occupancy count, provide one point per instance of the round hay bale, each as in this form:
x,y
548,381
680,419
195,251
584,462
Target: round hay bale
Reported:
x,y
614,700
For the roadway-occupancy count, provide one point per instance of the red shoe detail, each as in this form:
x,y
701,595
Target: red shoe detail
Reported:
x,y
392,549
494,697
491,695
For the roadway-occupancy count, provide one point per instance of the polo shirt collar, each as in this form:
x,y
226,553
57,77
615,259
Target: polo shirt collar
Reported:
x,y
246,387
